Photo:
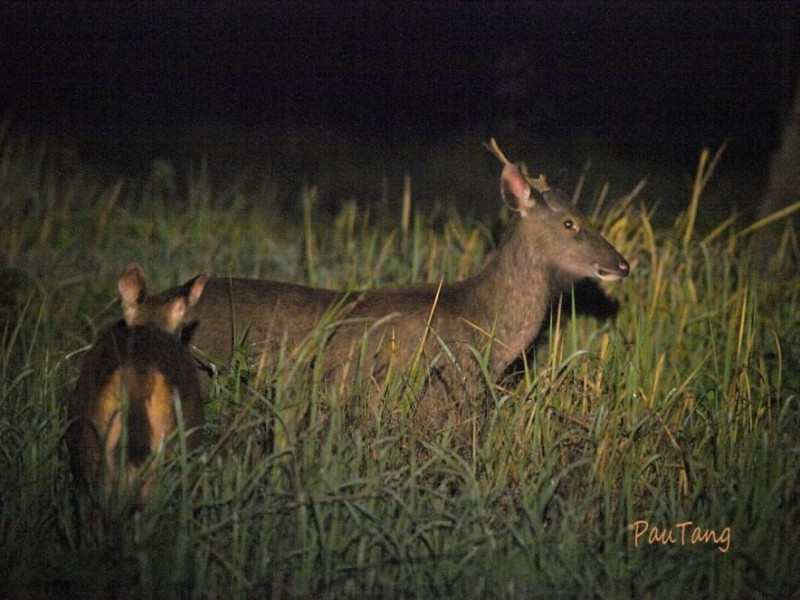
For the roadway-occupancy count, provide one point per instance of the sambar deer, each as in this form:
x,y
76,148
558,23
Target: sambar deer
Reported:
x,y
138,367
496,314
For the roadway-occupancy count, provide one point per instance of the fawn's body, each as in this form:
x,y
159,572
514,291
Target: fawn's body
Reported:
x,y
499,311
141,363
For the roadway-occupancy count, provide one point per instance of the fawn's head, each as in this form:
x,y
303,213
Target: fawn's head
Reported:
x,y
558,233
165,310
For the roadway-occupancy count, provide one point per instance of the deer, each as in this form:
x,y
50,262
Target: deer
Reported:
x,y
496,314
138,367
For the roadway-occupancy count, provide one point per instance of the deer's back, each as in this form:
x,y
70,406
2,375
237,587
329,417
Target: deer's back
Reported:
x,y
144,365
268,314
264,315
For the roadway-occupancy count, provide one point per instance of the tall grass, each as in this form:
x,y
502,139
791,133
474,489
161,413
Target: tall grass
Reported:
x,y
684,407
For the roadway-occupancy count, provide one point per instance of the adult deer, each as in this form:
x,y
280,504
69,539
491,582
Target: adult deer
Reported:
x,y
441,329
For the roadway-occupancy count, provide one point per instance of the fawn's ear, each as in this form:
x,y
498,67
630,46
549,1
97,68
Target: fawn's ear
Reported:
x,y
515,189
176,310
132,288
196,289
174,314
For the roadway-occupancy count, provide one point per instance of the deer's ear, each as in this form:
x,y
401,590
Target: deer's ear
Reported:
x,y
174,314
196,289
556,200
132,288
515,189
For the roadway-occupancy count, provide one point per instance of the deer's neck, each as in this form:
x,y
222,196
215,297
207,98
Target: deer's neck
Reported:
x,y
511,296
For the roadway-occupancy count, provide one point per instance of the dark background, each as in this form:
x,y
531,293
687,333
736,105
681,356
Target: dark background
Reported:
x,y
658,80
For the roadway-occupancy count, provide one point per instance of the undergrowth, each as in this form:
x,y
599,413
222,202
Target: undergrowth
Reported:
x,y
580,481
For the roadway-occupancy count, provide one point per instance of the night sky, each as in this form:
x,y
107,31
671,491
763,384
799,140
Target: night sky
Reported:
x,y
654,77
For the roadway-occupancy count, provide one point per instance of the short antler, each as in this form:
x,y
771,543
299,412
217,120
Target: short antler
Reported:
x,y
492,146
539,183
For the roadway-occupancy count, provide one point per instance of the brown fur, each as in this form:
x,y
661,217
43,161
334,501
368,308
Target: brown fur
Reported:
x,y
139,360
498,313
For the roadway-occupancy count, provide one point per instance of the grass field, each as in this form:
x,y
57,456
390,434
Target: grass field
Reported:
x,y
653,455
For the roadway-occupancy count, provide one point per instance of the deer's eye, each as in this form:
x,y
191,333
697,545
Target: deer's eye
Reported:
x,y
569,224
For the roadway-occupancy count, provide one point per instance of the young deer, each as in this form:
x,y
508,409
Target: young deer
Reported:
x,y
140,361
498,313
